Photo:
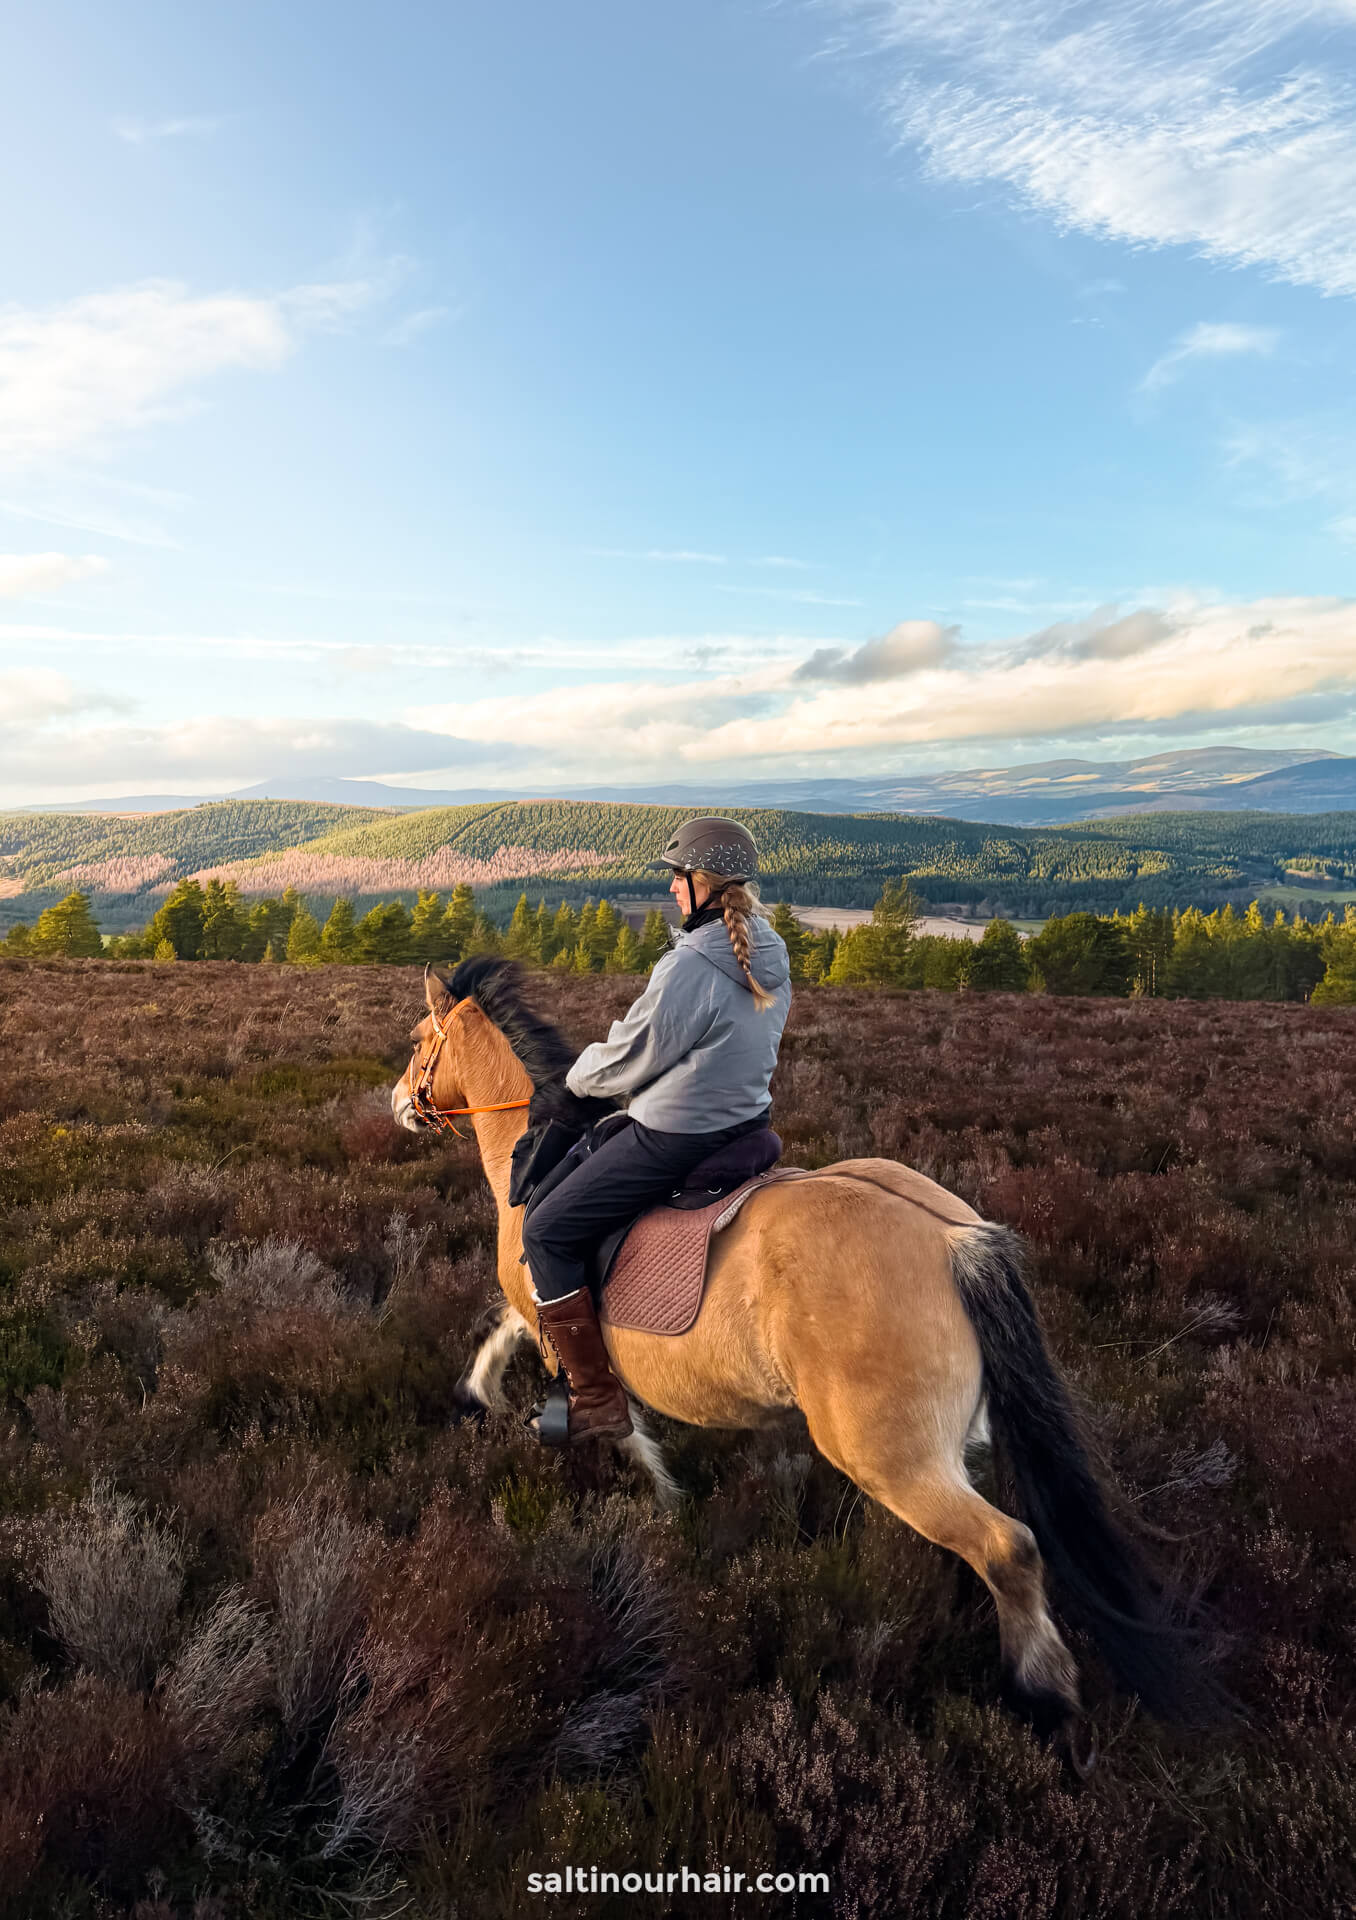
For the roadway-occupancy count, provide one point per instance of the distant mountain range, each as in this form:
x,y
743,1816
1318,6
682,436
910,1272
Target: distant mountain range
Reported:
x,y
1191,780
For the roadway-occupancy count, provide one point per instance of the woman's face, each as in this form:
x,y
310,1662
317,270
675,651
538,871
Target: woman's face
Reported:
x,y
701,893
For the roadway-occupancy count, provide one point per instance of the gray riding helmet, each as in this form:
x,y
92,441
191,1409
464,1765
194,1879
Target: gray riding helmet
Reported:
x,y
713,845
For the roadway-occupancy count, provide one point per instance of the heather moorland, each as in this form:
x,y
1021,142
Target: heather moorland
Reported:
x,y
278,1638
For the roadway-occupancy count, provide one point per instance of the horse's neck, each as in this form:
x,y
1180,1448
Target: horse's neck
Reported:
x,y
491,1072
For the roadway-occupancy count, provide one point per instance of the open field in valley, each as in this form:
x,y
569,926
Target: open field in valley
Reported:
x,y
278,1639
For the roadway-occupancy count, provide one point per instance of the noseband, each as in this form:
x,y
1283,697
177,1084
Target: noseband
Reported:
x,y
421,1091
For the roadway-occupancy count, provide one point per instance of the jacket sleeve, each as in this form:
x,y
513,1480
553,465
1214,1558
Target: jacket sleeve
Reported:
x,y
666,1022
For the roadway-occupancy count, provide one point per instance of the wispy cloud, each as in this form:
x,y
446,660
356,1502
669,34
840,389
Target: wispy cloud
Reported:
x,y
108,363
140,133
407,330
802,596
1227,127
683,556
22,573
1208,340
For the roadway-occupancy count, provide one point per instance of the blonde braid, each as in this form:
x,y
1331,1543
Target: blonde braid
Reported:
x,y
739,902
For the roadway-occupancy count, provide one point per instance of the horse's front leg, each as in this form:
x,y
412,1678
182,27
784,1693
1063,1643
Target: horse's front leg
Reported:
x,y
481,1385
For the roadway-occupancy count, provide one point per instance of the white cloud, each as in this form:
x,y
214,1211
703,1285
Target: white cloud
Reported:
x,y
107,363
1225,126
1209,666
1208,340
138,133
22,573
44,749
31,695
906,648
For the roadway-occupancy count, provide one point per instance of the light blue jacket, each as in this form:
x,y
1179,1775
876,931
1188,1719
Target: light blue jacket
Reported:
x,y
694,1053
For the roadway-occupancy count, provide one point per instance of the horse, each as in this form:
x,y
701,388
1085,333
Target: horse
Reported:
x,y
891,1314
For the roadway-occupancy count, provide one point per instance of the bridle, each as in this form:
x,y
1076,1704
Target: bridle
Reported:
x,y
421,1091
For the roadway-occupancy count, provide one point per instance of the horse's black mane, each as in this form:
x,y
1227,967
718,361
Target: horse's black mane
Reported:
x,y
496,986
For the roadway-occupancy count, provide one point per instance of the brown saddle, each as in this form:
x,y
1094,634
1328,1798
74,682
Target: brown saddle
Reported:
x,y
656,1277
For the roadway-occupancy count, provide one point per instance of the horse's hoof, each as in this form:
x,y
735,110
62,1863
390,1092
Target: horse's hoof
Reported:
x,y
1076,1745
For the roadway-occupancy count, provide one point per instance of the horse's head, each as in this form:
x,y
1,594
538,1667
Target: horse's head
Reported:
x,y
433,1079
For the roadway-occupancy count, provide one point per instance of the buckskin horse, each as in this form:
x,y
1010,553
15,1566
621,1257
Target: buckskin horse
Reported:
x,y
882,1307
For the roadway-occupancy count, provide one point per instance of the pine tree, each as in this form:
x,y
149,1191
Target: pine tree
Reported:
x,y
562,960
224,926
427,936
485,936
857,959
19,939
458,923
893,919
564,931
180,921
583,938
998,964
164,950
581,962
270,923
655,940
795,935
1078,953
820,953
303,939
542,948
339,938
384,934
625,955
603,936
1337,988
520,940
67,928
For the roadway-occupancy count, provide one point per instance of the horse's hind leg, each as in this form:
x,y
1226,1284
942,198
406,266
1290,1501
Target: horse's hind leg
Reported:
x,y
1039,1672
481,1383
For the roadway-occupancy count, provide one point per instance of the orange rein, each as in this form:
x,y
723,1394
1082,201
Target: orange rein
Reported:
x,y
421,1094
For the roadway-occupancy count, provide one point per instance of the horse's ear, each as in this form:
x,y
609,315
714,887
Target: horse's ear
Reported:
x,y
436,984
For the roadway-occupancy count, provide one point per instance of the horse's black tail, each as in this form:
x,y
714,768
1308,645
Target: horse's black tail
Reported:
x,y
1102,1581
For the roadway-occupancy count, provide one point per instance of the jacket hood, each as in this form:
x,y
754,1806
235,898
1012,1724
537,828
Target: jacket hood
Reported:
x,y
767,952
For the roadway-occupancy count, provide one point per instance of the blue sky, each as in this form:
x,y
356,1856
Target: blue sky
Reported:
x,y
527,396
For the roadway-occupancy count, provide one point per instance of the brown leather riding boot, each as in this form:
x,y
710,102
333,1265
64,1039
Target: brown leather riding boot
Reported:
x,y
598,1408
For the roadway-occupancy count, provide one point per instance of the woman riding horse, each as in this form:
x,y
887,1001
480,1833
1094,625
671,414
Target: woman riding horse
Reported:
x,y
693,1057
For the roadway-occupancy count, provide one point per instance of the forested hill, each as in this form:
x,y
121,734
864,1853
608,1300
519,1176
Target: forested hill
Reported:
x,y
126,853
569,848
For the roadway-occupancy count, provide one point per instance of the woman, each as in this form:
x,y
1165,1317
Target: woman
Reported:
x,y
693,1058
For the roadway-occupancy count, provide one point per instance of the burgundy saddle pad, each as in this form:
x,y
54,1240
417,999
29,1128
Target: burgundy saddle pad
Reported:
x,y
659,1273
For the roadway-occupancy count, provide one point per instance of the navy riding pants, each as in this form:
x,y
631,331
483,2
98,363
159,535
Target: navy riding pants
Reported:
x,y
636,1169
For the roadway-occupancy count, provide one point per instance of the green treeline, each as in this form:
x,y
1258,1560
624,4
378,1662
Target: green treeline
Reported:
x,y
1156,952
592,847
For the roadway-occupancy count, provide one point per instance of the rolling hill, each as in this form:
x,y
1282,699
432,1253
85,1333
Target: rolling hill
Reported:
x,y
1284,780
567,848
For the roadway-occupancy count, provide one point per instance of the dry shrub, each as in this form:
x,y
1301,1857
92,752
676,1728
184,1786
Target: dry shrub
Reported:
x,y
276,1273
311,1562
439,1690
220,1677
112,1580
